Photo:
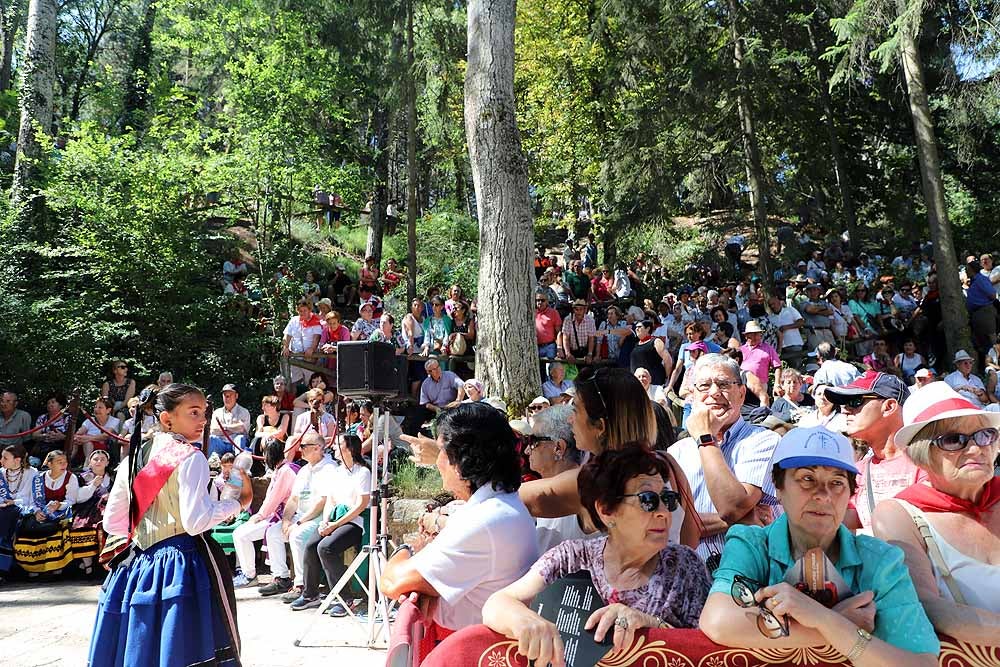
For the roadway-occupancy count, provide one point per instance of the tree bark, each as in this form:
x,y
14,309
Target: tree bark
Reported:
x,y
839,164
954,312
35,100
380,199
755,171
411,162
507,353
10,20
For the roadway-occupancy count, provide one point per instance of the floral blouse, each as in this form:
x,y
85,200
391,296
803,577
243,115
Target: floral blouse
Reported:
x,y
675,593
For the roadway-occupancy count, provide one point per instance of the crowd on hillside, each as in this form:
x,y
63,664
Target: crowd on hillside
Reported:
x,y
696,444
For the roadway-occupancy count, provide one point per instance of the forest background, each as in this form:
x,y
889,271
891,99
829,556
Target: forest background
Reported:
x,y
180,132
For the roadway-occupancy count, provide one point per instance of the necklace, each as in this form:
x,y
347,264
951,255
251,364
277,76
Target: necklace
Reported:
x,y
10,480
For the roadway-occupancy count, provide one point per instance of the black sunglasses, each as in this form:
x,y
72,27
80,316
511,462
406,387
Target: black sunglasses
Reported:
x,y
597,388
649,501
856,402
769,625
956,442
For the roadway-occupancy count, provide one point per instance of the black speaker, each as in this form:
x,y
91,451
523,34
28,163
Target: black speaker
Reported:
x,y
366,368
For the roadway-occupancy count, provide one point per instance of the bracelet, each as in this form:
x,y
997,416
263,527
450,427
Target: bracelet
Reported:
x,y
401,547
859,646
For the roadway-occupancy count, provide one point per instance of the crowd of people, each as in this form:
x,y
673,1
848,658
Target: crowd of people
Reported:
x,y
695,452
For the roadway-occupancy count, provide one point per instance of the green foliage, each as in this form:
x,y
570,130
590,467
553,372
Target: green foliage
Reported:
x,y
673,246
448,252
416,482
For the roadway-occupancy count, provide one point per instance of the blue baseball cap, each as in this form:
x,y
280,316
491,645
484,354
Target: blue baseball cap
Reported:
x,y
814,446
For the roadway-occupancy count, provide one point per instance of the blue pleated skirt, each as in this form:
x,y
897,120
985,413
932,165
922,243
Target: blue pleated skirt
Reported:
x,y
160,610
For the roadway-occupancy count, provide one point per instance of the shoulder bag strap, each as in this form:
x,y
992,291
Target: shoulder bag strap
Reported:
x,y
868,486
933,551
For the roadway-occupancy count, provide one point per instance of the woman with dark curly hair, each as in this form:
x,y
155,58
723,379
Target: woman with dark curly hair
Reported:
x,y
645,581
489,542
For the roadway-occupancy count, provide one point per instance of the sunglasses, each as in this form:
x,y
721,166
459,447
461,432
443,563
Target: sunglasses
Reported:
x,y
857,402
597,388
956,442
535,441
650,501
743,592
538,407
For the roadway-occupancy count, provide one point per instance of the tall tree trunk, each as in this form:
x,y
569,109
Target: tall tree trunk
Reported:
x,y
411,162
953,309
755,171
839,164
37,84
507,343
136,96
10,20
380,199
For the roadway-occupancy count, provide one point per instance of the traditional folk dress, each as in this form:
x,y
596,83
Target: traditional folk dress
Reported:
x,y
16,488
44,545
86,535
170,603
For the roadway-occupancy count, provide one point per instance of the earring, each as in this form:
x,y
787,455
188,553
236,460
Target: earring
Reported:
x,y
612,523
557,457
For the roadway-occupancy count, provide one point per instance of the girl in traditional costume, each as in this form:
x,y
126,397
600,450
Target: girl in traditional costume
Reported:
x,y
86,533
43,544
168,600
16,486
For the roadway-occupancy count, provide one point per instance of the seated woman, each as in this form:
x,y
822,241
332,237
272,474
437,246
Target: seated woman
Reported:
x,y
86,534
949,525
43,540
266,521
52,436
89,437
365,325
271,425
316,381
473,391
16,484
462,567
119,387
551,450
646,581
789,406
864,605
147,423
341,526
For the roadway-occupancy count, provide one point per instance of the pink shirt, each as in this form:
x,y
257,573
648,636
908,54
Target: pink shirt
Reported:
x,y
277,491
889,477
760,360
547,325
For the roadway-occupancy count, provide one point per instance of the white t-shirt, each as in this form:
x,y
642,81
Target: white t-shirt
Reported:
x,y
88,428
488,543
346,487
301,337
955,379
312,482
327,423
789,337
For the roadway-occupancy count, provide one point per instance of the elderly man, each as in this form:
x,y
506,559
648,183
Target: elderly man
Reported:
x,y
548,327
578,332
759,357
923,377
962,380
440,389
12,420
789,323
816,312
726,460
234,419
300,518
873,409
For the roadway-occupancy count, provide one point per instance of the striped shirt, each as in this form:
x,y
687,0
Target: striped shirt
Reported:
x,y
747,450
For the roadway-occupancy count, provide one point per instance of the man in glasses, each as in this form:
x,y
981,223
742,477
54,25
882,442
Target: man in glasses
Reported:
x,y
726,459
873,410
548,327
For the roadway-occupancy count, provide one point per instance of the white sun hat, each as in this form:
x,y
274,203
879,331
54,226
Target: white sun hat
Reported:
x,y
935,402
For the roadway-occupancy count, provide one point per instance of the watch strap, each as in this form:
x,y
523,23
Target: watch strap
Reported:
x,y
707,440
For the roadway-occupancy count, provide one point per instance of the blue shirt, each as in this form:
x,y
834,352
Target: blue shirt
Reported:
x,y
865,563
980,292
747,450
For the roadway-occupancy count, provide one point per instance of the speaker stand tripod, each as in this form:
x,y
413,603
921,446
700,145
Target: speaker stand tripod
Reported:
x,y
375,554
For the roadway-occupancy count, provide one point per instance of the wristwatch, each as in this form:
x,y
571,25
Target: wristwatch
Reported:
x,y
860,645
707,440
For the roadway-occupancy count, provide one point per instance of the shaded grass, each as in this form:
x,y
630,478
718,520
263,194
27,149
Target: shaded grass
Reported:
x,y
418,482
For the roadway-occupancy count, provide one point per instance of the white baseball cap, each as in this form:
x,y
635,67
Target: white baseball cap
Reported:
x,y
814,446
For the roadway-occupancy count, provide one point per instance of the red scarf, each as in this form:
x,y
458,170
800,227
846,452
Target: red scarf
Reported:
x,y
929,499
643,339
313,321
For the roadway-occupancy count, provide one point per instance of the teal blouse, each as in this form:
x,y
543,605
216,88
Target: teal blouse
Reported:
x,y
865,563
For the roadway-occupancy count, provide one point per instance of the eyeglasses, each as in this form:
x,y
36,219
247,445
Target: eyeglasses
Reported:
x,y
538,407
650,501
535,441
541,301
122,367
723,385
743,592
857,402
956,442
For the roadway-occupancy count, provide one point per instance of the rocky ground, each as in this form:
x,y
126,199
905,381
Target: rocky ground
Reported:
x,y
49,623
